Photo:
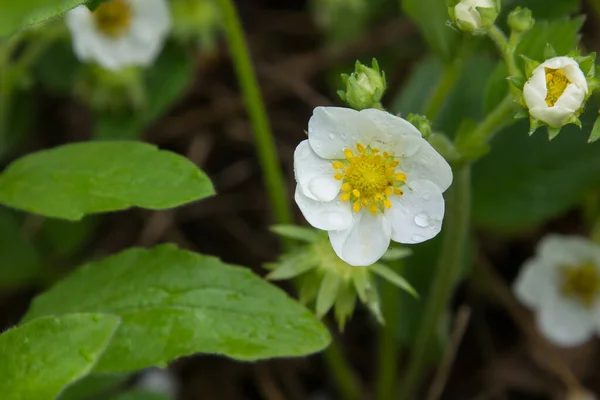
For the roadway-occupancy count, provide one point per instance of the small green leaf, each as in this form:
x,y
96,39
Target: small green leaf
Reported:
x,y
20,262
77,179
175,303
309,286
330,286
291,265
345,304
562,34
391,276
15,14
530,65
296,232
549,51
92,385
42,357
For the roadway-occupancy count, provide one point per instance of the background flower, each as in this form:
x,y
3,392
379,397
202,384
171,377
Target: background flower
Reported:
x,y
120,32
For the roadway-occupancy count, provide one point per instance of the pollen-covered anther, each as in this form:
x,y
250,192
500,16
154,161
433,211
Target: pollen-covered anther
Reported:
x,y
556,83
369,177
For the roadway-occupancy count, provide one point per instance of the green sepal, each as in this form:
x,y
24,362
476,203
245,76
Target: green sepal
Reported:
x,y
296,232
587,64
593,84
553,132
516,81
595,135
520,20
328,292
392,277
344,304
396,253
534,124
521,114
488,15
575,121
309,286
367,293
530,65
549,51
291,265
342,95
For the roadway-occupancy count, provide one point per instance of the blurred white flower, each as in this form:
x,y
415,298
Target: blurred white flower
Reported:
x,y
120,33
556,91
562,284
159,381
367,177
467,14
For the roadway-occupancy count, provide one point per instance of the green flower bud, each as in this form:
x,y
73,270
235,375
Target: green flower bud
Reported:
x,y
364,87
520,19
474,16
421,123
196,21
328,282
106,90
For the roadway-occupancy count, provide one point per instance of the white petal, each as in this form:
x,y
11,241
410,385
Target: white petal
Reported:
x,y
427,164
365,242
463,12
393,134
572,98
537,281
562,250
333,129
565,322
558,63
417,215
330,215
535,89
315,174
553,116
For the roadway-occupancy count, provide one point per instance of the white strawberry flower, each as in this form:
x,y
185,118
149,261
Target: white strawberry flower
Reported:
x,y
556,91
120,33
368,177
562,285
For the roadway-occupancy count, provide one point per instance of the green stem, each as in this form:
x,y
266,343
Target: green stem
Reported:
x,y
456,226
265,142
443,88
387,356
500,117
344,377
506,49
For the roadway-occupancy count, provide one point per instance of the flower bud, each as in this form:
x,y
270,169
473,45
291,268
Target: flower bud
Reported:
x,y
520,19
364,87
474,16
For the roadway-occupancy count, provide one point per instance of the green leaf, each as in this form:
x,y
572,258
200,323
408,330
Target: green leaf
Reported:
x,y
496,87
77,179
562,34
15,14
525,181
543,9
166,81
19,260
42,357
92,385
595,135
431,17
175,303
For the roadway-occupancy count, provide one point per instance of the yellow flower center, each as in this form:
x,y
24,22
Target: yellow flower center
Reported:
x,y
113,18
556,83
369,178
581,283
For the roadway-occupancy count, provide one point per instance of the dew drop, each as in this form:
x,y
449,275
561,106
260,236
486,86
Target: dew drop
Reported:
x,y
426,196
331,136
422,220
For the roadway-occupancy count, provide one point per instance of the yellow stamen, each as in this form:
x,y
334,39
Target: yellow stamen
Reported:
x,y
365,201
581,283
375,150
346,187
394,163
360,147
373,209
377,197
400,176
337,165
398,192
389,191
356,193
386,154
387,204
356,207
345,196
556,84
339,176
113,18
348,153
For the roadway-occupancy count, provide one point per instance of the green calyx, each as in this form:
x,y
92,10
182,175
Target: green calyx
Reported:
x,y
364,87
463,19
520,20
328,282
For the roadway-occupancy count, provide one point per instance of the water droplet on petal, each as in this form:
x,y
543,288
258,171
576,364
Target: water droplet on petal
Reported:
x,y
417,238
422,220
331,136
426,196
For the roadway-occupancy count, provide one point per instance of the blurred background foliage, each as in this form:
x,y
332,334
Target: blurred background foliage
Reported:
x,y
189,102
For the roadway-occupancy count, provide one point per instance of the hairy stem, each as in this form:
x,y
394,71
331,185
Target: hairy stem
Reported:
x,y
265,143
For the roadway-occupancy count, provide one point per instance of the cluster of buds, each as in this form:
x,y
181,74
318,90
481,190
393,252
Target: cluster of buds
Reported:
x,y
364,87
